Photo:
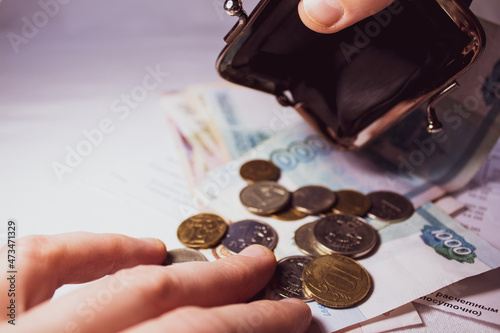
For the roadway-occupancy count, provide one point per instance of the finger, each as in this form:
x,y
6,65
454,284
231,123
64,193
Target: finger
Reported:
x,y
287,316
141,293
45,263
329,16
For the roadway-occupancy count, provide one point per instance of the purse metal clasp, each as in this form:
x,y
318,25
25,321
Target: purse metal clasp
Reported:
x,y
433,123
235,8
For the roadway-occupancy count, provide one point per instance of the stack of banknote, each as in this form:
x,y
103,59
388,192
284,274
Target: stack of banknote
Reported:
x,y
428,258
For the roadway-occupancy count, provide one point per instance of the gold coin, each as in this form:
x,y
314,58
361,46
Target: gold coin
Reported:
x,y
259,170
352,202
202,231
336,281
290,213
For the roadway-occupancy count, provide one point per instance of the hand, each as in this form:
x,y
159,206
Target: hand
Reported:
x,y
329,16
140,295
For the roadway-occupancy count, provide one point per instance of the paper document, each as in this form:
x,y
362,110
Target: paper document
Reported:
x,y
482,200
401,317
477,297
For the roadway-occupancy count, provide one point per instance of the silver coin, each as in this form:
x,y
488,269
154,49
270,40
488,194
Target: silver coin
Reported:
x,y
390,206
264,197
344,234
177,256
287,279
247,232
313,199
306,242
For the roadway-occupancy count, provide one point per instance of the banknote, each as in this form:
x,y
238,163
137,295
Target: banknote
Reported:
x,y
243,118
411,260
200,148
217,122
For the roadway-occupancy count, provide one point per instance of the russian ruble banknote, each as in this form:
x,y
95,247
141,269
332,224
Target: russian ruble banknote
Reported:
x,y
218,122
200,146
242,117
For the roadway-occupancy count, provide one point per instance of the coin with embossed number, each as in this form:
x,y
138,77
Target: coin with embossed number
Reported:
x,y
336,281
177,256
306,242
351,202
201,231
259,170
348,235
247,232
287,279
313,199
390,206
264,198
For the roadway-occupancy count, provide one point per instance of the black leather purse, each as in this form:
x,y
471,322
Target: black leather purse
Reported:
x,y
353,85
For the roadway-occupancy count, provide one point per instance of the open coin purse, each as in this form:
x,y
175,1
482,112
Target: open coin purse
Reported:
x,y
353,85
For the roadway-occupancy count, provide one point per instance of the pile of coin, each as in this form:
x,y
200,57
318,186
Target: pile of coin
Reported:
x,y
335,281
348,235
265,197
327,273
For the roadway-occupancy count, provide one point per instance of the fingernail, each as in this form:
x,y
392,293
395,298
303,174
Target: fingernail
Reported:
x,y
255,251
323,12
294,301
156,242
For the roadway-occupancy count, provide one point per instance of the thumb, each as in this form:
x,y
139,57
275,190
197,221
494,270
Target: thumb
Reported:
x,y
329,16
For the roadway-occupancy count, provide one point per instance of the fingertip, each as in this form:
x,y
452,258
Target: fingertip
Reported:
x,y
299,305
157,246
295,301
155,242
324,24
263,259
325,13
330,16
256,251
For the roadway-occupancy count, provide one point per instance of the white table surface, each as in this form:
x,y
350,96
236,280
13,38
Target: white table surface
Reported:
x,y
63,81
